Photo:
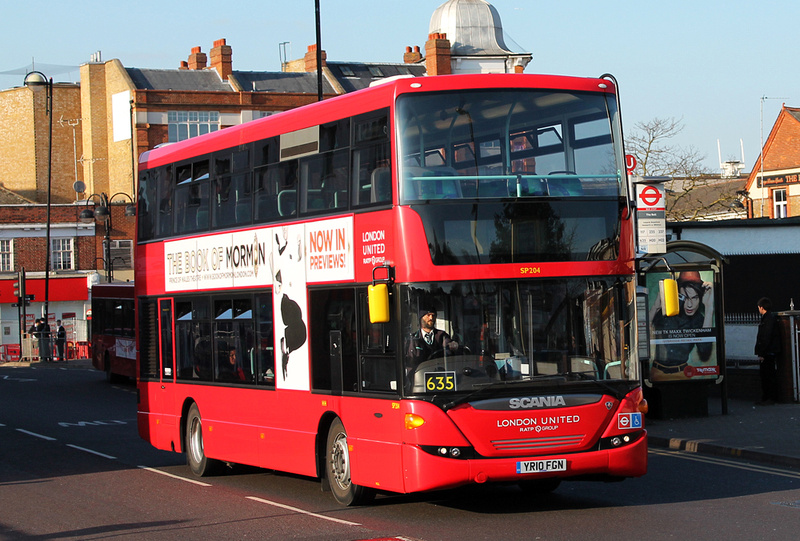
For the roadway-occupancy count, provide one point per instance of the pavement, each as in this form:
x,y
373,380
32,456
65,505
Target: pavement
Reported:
x,y
766,434
71,363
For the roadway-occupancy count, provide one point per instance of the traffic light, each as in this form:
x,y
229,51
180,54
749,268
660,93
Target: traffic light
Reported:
x,y
19,290
19,287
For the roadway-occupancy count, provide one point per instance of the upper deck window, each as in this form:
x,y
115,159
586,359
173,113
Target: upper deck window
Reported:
x,y
543,164
509,143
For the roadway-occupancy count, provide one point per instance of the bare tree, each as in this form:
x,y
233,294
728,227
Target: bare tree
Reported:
x,y
694,193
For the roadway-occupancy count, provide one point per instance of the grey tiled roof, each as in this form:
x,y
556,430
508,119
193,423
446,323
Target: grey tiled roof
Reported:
x,y
179,80
350,75
9,197
357,75
268,81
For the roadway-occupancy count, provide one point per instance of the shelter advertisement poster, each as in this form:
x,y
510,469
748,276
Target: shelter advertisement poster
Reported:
x,y
684,346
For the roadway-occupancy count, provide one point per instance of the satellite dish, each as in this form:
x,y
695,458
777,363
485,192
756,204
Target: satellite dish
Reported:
x,y
79,186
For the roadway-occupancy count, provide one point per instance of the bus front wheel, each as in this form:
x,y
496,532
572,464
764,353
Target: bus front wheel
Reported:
x,y
338,469
196,459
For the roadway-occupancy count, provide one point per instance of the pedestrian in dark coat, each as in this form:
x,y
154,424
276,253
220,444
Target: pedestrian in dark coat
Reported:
x,y
768,346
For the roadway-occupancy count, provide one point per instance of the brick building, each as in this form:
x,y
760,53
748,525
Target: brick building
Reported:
x,y
24,141
773,188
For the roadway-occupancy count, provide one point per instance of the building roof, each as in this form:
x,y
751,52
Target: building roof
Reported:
x,y
357,75
206,80
703,198
8,197
782,147
280,82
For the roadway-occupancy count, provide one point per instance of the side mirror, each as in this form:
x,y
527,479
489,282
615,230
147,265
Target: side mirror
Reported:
x,y
378,300
670,305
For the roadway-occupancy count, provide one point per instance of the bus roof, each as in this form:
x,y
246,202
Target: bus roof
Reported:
x,y
115,290
354,103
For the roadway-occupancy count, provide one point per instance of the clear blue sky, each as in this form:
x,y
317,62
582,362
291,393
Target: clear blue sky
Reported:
x,y
707,62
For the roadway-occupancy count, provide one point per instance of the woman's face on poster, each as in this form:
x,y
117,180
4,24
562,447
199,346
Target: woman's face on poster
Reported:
x,y
691,300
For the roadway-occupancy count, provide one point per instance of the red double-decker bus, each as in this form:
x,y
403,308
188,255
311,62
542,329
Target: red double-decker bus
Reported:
x,y
286,267
113,330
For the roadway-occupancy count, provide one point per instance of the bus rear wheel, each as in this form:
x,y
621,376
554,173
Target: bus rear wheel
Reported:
x,y
196,459
337,468
111,377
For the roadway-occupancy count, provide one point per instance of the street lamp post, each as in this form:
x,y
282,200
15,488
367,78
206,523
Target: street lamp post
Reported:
x,y
102,213
35,79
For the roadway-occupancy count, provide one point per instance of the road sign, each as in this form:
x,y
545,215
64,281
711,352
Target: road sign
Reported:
x,y
630,162
651,218
651,197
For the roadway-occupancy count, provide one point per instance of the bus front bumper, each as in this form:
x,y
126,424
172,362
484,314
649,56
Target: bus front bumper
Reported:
x,y
424,471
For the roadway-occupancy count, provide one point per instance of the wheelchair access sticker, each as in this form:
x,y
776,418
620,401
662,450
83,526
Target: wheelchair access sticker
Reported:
x,y
629,421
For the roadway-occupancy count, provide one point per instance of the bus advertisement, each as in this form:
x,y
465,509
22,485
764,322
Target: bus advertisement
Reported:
x,y
113,335
420,285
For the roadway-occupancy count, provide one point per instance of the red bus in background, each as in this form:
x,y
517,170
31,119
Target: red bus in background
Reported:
x,y
284,268
113,330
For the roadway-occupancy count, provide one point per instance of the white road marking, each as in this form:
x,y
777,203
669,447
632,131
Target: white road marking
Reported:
x,y
297,510
92,452
729,463
178,477
28,432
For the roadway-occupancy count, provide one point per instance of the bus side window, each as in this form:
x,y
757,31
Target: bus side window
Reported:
x,y
333,340
370,158
378,364
264,347
381,185
266,194
146,212
287,184
165,187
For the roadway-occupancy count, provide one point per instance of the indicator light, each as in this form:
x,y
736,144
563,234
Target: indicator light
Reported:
x,y
413,421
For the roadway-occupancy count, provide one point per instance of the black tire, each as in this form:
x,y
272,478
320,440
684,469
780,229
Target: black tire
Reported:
x,y
111,377
198,462
337,468
539,487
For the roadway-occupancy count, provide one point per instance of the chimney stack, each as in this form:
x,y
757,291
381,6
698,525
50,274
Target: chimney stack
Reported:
x,y
221,59
310,58
412,57
197,60
437,54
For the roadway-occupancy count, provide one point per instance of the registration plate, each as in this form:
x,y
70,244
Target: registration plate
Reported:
x,y
542,466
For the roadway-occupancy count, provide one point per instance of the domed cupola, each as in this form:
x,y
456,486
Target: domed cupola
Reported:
x,y
475,33
472,26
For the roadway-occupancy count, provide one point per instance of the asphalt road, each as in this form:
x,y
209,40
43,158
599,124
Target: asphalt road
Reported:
x,y
73,467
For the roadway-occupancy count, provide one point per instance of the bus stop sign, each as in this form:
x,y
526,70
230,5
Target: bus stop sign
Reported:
x,y
630,162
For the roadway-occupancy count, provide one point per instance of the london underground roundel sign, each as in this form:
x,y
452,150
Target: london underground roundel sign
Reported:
x,y
650,196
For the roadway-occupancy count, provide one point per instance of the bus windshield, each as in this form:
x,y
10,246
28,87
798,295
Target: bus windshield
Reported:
x,y
487,332
507,143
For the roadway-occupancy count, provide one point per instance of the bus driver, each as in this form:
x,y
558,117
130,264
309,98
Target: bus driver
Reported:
x,y
428,340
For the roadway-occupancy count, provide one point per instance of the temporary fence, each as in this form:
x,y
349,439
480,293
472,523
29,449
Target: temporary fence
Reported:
x,y
29,347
